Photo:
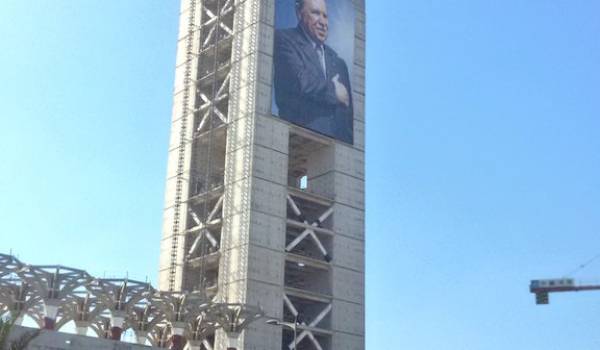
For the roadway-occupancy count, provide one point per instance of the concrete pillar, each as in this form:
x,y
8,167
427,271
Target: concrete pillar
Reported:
x,y
177,339
194,345
50,313
117,320
82,327
233,341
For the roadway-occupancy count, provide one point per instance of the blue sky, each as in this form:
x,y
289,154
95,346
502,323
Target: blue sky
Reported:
x,y
483,157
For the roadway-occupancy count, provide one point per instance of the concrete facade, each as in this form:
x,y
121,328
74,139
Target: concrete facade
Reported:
x,y
244,188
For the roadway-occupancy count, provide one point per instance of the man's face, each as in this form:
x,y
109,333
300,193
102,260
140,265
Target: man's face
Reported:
x,y
313,18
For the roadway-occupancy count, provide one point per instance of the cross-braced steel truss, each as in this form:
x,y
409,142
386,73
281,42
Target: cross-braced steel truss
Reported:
x,y
307,298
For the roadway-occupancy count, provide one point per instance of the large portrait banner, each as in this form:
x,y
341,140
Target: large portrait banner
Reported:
x,y
313,57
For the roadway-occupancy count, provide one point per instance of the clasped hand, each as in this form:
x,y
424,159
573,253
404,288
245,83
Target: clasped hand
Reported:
x,y
341,92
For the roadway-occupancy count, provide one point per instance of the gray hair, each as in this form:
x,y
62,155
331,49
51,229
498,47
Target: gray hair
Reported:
x,y
299,4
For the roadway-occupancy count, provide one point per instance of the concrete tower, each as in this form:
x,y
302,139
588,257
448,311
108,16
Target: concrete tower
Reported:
x,y
259,209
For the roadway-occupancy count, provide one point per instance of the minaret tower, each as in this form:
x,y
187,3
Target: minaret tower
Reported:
x,y
261,209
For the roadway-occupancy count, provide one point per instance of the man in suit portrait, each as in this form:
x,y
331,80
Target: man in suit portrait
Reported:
x,y
312,84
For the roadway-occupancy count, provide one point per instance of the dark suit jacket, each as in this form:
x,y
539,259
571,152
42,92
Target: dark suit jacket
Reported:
x,y
303,94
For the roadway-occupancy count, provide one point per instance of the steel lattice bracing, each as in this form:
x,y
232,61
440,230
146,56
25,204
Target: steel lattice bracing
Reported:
x,y
308,283
193,213
55,295
195,189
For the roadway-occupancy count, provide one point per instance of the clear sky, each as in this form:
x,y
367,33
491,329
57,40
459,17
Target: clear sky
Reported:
x,y
483,157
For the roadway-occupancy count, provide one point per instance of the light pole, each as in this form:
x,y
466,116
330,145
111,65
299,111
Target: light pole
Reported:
x,y
292,326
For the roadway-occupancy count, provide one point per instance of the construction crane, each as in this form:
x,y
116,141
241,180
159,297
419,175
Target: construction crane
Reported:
x,y
542,288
